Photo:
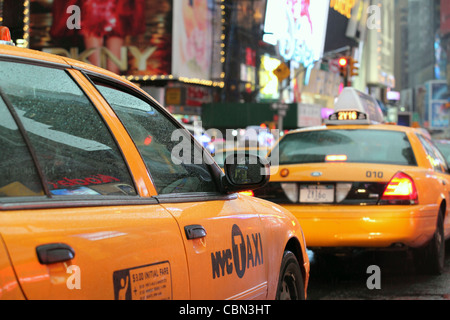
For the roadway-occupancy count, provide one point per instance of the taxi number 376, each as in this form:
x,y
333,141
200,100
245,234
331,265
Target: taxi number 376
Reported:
x,y
374,174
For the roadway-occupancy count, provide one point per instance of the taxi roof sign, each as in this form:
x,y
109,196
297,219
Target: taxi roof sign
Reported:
x,y
355,107
5,36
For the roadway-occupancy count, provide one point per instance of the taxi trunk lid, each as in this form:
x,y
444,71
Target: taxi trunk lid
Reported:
x,y
325,183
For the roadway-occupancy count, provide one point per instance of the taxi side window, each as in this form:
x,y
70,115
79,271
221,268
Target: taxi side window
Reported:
x,y
434,156
152,133
442,162
18,174
74,148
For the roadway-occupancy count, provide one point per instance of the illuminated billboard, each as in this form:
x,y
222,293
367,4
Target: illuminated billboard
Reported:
x,y
268,82
436,114
380,47
192,38
133,38
298,28
128,37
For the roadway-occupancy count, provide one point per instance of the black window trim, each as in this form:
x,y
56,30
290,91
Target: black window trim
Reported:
x,y
42,202
194,197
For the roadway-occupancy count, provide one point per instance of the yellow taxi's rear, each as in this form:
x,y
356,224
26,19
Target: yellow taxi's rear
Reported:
x,y
342,204
362,185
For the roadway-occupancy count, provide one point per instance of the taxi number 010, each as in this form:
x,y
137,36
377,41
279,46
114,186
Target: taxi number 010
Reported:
x,y
374,174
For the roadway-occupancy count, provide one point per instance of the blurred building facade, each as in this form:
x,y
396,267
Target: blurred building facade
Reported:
x,y
422,42
192,53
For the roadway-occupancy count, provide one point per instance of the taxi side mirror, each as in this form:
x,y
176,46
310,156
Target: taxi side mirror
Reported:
x,y
245,172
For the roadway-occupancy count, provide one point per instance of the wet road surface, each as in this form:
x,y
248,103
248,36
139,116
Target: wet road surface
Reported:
x,y
348,278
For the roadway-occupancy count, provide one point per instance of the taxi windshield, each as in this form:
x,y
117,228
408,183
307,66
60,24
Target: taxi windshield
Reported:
x,y
362,146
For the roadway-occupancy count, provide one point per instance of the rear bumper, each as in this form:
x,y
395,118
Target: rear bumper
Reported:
x,y
366,226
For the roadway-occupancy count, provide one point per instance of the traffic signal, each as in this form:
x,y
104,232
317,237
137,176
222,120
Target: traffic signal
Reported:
x,y
343,64
353,69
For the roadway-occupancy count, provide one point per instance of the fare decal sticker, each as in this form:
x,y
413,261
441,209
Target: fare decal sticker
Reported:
x,y
150,282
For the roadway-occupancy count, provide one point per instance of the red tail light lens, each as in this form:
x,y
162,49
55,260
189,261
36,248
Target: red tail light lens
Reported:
x,y
400,190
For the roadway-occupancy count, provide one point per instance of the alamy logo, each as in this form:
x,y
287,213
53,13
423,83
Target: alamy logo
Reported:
x,y
74,280
374,17
74,21
374,280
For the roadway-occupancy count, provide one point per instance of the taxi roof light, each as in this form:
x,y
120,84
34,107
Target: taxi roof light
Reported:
x,y
355,107
5,36
401,188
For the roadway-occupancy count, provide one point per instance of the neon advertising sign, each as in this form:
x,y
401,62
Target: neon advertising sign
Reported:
x,y
297,28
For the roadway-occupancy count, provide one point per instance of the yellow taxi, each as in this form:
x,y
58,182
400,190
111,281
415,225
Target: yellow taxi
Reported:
x,y
103,195
355,182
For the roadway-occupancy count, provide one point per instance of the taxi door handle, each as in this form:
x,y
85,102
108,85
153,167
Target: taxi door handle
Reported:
x,y
54,252
194,231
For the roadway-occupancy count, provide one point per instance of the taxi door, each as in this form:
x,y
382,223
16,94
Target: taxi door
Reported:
x,y
96,252
223,235
225,246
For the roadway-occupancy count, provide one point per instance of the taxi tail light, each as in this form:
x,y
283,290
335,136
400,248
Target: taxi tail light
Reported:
x,y
400,190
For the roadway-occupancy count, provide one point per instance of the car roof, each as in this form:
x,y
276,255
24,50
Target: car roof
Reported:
x,y
387,127
30,54
7,50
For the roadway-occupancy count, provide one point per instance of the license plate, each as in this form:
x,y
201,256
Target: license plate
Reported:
x,y
317,194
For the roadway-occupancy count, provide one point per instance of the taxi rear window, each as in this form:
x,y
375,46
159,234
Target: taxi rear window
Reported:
x,y
361,146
